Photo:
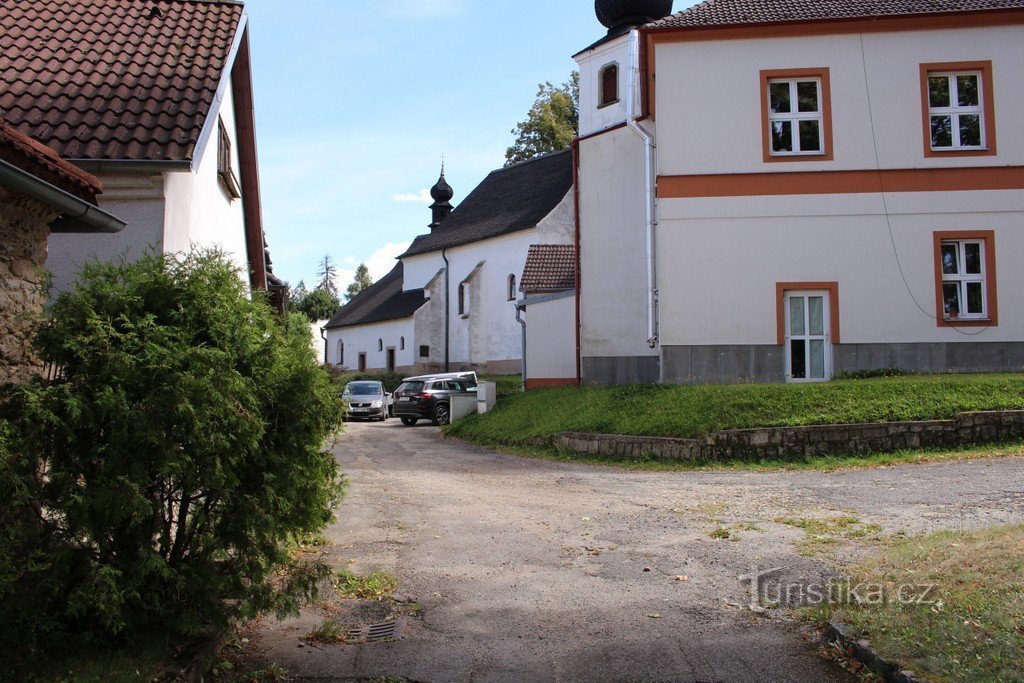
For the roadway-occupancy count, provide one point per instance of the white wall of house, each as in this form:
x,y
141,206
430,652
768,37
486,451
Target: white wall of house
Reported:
x,y
368,339
199,210
592,117
138,199
709,107
551,340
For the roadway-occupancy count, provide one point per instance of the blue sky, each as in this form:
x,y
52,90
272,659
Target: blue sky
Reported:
x,y
357,101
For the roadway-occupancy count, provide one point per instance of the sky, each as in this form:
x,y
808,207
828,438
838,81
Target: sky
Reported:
x,y
357,101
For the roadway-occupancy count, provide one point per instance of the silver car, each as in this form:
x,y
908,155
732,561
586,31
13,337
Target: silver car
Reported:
x,y
366,400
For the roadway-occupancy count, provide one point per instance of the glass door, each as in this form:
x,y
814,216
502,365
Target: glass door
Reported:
x,y
808,348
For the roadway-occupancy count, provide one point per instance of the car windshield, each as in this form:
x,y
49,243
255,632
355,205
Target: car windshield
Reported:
x,y
364,389
410,387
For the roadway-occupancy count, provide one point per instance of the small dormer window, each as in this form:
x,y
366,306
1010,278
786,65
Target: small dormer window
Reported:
x,y
224,163
609,85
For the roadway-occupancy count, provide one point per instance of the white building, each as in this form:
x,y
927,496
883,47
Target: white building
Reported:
x,y
162,114
451,300
786,190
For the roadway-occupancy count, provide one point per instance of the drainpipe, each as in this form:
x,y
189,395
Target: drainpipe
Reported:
x,y
579,278
520,307
447,309
323,335
650,195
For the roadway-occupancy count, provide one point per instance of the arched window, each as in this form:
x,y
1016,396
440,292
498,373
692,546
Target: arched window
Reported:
x,y
463,303
401,344
608,85
341,353
380,344
512,287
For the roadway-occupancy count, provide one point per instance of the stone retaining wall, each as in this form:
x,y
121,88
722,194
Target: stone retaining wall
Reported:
x,y
23,233
781,443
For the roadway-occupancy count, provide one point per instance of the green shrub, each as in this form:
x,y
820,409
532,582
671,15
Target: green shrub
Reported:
x,y
159,484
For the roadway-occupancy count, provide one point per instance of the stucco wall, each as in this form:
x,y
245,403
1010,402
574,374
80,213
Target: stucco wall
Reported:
x,y
613,267
135,198
365,338
199,210
592,117
24,227
709,98
551,340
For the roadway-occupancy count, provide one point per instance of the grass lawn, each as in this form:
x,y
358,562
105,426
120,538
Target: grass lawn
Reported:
x,y
974,631
690,412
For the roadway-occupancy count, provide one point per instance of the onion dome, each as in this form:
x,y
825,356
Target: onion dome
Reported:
x,y
618,14
442,192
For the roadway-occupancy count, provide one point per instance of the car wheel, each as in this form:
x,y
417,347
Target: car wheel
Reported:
x,y
442,415
409,421
384,417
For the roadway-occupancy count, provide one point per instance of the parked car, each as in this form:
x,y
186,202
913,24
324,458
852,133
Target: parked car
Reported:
x,y
366,400
429,397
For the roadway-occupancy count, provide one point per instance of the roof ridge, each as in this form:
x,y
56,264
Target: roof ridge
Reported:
x,y
539,157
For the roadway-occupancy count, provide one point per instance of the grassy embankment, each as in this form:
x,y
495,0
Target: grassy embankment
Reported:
x,y
970,627
526,422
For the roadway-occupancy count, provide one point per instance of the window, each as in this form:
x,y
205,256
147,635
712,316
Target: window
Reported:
x,y
224,162
380,344
965,278
341,353
512,287
401,344
609,85
958,116
424,352
796,115
464,299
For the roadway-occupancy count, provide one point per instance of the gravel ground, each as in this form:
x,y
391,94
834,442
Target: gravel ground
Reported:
x,y
514,569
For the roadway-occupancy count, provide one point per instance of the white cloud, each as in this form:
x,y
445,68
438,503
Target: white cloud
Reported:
x,y
382,261
421,196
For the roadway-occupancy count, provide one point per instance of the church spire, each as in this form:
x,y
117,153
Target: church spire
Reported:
x,y
442,194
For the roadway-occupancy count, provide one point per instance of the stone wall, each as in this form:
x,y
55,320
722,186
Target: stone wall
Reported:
x,y
24,229
782,443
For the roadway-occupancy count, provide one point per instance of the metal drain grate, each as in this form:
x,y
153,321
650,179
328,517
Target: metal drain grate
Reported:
x,y
378,633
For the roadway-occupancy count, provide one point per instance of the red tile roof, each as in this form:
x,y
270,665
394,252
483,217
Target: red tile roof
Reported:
x,y
549,268
738,12
36,158
114,79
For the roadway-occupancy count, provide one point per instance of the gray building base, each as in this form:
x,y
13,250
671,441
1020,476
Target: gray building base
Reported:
x,y
618,370
766,363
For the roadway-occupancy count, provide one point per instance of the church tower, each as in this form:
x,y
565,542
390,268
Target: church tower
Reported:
x,y
442,194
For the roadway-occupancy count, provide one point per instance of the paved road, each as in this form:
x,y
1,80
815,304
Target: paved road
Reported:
x,y
534,570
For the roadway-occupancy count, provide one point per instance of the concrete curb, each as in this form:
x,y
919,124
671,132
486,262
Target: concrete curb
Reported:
x,y
861,650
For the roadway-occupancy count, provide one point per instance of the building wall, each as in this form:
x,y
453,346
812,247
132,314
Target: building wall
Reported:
x,y
365,339
24,227
592,117
138,199
551,342
613,267
709,99
200,212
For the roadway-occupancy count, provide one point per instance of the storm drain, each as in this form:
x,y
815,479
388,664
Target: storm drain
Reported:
x,y
378,633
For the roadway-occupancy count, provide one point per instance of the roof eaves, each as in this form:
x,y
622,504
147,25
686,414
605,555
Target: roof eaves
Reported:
x,y
210,124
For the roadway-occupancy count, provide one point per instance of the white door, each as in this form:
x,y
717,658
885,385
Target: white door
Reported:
x,y
808,347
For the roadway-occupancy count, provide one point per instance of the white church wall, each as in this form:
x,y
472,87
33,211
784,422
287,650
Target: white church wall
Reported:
x,y
551,343
374,340
593,117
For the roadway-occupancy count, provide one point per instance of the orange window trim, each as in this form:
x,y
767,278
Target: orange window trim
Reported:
x,y
841,182
987,107
833,305
821,73
991,288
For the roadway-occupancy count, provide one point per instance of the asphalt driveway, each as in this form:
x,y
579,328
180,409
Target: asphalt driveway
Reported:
x,y
523,570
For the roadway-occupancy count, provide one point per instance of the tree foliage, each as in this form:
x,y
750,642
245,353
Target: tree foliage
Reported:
x,y
361,282
318,305
158,482
328,274
551,124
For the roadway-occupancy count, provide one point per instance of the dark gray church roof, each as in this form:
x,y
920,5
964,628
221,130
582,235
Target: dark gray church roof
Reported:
x,y
384,300
508,200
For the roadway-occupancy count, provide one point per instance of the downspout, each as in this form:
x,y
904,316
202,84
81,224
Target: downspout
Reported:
x,y
447,309
579,320
650,194
520,307
323,335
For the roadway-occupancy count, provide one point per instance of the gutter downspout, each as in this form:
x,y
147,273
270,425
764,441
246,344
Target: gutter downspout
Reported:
x,y
77,215
650,193
323,335
447,308
579,278
520,307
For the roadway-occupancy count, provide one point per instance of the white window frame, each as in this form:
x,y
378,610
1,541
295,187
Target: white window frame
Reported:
x,y
825,337
956,111
795,117
961,278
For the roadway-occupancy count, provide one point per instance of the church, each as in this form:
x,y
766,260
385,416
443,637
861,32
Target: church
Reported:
x,y
450,302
